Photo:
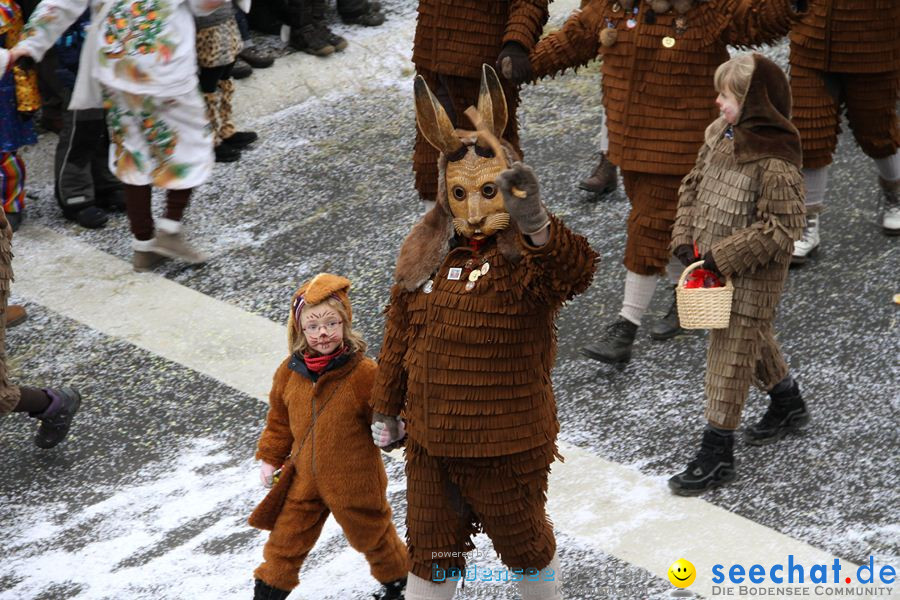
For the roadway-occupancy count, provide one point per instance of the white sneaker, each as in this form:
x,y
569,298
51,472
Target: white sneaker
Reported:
x,y
808,245
890,218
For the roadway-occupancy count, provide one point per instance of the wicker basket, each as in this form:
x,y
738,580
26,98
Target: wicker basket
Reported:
x,y
703,308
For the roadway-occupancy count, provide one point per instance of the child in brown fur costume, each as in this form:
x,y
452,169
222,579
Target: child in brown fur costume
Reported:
x,y
741,208
318,427
468,348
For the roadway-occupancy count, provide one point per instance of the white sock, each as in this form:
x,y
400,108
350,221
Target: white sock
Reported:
x,y
420,589
143,245
674,270
638,293
168,226
816,181
889,168
544,589
604,137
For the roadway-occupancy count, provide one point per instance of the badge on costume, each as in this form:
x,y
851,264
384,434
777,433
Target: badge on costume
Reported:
x,y
454,274
668,42
428,286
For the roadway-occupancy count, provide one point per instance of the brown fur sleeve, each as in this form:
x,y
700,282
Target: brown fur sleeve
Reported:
x,y
781,216
575,45
560,269
755,22
389,392
526,22
687,194
363,380
276,439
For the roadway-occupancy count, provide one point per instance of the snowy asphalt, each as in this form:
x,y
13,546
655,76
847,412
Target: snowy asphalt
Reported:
x,y
148,497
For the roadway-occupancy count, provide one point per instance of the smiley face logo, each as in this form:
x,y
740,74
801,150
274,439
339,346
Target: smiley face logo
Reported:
x,y
682,573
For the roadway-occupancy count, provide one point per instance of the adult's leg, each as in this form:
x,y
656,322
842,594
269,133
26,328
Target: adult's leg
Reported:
x,y
82,134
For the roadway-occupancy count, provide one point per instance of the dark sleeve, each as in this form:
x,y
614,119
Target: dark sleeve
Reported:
x,y
574,45
526,22
276,439
755,22
560,269
389,392
780,218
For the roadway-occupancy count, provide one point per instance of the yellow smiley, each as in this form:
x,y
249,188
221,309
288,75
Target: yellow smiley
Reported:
x,y
682,573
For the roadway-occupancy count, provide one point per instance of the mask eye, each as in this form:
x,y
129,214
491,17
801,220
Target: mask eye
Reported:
x,y
489,190
458,192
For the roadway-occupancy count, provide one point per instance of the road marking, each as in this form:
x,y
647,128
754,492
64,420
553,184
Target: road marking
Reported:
x,y
614,508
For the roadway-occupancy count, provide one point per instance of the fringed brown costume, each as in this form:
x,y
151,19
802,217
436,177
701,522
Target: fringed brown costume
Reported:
x,y
658,94
468,366
846,53
9,393
743,201
453,39
321,429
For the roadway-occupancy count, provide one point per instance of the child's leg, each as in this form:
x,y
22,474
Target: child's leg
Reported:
x,y
369,529
731,360
170,239
226,115
296,530
79,138
138,207
12,185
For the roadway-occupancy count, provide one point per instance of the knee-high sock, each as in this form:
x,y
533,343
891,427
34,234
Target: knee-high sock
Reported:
x,y
420,589
547,587
889,167
604,137
816,181
638,293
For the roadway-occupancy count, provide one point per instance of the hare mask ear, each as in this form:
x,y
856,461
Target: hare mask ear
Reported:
x,y
492,103
433,121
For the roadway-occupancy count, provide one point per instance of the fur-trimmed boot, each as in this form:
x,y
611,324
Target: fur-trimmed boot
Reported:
x,y
57,418
264,591
713,466
393,590
786,414
890,218
603,180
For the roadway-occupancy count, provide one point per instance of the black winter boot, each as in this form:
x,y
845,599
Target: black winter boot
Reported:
x,y
395,590
786,414
669,326
56,420
712,467
264,591
614,345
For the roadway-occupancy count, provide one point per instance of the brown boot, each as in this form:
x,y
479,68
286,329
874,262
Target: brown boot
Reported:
x,y
603,180
15,315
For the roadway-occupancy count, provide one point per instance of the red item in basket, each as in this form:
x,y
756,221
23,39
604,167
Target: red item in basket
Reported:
x,y
701,278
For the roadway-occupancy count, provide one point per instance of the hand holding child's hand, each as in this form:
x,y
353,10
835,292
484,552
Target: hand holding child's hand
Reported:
x,y
266,473
387,430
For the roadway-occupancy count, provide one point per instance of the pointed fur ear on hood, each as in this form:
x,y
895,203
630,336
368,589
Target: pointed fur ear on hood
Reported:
x,y
316,290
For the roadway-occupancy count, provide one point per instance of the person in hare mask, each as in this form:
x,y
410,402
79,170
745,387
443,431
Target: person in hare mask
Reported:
x,y
468,348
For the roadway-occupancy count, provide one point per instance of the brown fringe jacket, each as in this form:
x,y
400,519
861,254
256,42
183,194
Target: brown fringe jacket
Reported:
x,y
9,393
456,37
659,100
470,371
848,36
749,215
324,426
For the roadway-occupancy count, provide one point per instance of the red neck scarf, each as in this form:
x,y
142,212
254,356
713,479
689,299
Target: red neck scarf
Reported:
x,y
317,364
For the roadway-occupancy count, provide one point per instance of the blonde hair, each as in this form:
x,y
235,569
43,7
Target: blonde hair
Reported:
x,y
352,339
734,75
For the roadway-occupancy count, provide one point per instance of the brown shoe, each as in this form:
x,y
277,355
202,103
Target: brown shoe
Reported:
x,y
15,315
603,180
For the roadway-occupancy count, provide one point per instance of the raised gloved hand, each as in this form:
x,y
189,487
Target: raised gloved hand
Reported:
x,y
267,474
513,63
387,431
685,254
528,212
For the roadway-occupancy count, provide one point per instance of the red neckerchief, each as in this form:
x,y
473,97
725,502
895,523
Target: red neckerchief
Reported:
x,y
477,245
317,364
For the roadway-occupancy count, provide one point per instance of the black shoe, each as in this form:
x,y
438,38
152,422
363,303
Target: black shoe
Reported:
x,y
241,139
56,420
669,326
89,217
371,16
615,343
786,414
395,590
337,41
112,200
312,40
15,219
226,153
264,591
257,59
241,70
713,466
